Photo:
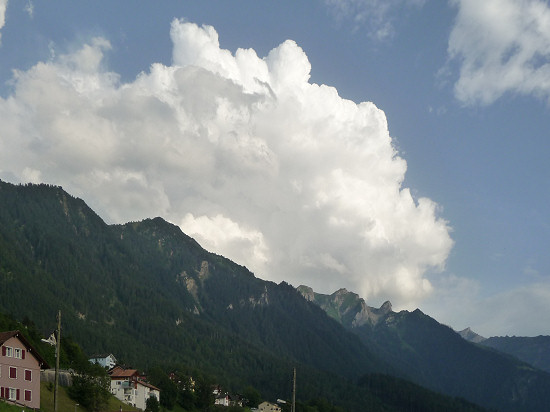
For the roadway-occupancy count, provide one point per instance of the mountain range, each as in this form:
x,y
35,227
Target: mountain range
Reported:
x,y
430,354
533,350
153,296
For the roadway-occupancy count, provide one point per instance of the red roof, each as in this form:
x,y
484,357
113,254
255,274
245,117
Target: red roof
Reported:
x,y
118,372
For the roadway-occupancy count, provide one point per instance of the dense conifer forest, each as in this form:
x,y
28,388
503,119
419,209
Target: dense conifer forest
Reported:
x,y
152,296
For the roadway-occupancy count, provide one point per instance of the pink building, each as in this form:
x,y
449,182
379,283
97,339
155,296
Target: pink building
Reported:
x,y
20,366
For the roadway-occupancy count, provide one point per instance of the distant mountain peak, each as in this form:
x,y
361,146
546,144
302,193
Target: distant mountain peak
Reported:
x,y
346,307
306,292
471,336
386,307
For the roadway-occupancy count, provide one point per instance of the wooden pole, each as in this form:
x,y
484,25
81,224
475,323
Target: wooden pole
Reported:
x,y
294,391
57,353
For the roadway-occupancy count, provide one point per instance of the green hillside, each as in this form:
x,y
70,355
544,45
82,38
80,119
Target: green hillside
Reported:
x,y
124,289
152,296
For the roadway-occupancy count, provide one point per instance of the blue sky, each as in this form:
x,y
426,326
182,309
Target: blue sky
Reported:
x,y
245,124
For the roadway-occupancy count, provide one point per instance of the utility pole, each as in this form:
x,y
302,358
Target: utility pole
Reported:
x,y
294,391
57,353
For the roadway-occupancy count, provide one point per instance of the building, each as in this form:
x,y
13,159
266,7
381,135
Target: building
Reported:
x,y
127,386
268,407
222,399
107,361
20,366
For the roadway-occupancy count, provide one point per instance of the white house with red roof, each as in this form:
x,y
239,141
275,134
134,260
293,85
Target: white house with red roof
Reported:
x,y
20,366
127,386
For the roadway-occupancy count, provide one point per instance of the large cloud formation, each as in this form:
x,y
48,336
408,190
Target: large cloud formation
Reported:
x,y
501,46
244,153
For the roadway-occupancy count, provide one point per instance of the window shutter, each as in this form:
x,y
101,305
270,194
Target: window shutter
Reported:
x,y
23,354
28,375
17,394
2,392
13,373
28,397
3,351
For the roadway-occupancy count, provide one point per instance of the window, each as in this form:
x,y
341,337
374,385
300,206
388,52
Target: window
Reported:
x,y
7,351
13,372
17,353
12,396
28,395
28,375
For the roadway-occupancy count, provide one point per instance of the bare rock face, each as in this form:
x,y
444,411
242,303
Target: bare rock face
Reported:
x,y
370,315
307,292
347,307
471,336
386,307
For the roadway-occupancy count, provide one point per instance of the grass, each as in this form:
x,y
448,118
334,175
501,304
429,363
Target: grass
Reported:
x,y
115,405
5,407
66,404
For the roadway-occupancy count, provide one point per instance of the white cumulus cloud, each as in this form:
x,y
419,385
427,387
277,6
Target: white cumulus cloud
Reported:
x,y
243,152
523,310
501,46
3,7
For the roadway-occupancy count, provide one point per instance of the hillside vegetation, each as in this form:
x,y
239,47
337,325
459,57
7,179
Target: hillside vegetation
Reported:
x,y
151,295
430,354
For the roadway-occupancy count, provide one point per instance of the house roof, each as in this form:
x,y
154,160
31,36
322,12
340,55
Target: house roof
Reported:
x,y
118,372
148,385
103,356
4,336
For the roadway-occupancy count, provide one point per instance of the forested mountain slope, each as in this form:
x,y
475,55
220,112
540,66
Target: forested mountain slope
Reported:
x,y
424,351
150,294
533,350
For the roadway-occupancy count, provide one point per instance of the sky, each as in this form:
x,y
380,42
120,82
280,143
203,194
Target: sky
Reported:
x,y
394,148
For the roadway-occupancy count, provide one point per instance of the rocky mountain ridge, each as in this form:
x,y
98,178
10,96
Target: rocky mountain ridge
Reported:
x,y
347,307
428,353
469,335
533,350
153,294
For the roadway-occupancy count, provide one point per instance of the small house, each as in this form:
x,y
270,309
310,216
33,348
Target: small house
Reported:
x,y
268,407
108,361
